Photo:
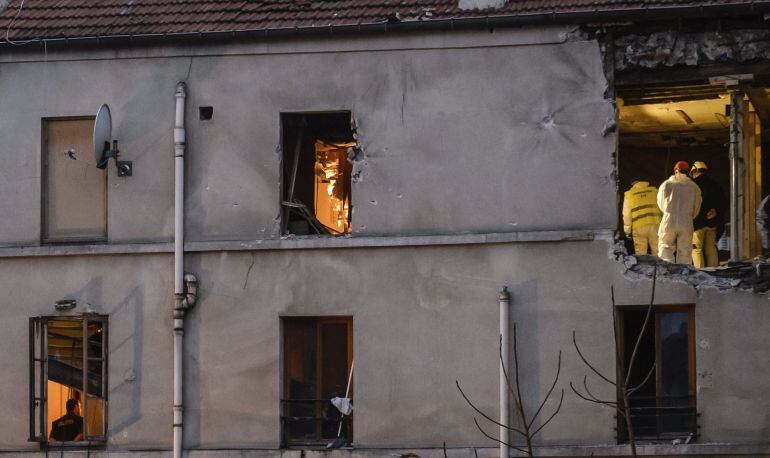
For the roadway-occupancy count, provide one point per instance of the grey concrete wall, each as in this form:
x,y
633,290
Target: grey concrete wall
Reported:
x,y
133,291
732,364
476,132
423,318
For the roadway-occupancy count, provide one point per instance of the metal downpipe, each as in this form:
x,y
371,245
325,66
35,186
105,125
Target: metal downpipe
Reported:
x,y
179,290
505,302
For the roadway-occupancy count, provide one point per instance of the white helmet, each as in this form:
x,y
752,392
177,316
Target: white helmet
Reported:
x,y
700,165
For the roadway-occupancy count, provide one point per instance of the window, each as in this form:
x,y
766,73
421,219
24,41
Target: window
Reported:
x,y
665,405
74,190
317,358
316,173
68,360
663,123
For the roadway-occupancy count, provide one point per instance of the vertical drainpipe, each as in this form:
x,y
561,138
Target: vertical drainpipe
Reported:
x,y
736,164
179,290
505,302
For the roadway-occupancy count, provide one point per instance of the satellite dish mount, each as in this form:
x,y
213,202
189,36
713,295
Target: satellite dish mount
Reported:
x,y
105,147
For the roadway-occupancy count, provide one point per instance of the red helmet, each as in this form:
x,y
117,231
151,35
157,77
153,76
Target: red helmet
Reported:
x,y
682,166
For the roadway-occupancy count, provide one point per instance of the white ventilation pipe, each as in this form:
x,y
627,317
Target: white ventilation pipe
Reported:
x,y
505,303
185,286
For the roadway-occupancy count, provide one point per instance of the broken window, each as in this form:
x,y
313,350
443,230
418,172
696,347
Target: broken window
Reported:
x,y
709,121
74,190
317,361
664,407
68,378
316,173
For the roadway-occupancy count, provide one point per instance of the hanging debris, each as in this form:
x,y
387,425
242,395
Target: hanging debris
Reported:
x,y
670,48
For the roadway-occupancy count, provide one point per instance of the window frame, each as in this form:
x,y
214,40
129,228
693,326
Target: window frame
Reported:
x,y
749,189
292,153
38,357
622,434
45,238
319,322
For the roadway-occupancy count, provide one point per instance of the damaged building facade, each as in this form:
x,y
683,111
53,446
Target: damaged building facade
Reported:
x,y
302,202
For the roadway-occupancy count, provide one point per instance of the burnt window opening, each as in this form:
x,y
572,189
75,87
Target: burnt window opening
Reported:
x,y
316,173
68,379
74,191
665,406
661,124
317,362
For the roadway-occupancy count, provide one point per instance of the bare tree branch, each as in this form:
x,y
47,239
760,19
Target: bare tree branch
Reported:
x,y
620,364
496,439
574,342
589,393
520,403
486,417
558,408
505,370
595,401
633,390
550,390
644,329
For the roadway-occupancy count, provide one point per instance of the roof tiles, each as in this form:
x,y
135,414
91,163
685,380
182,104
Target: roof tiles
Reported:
x,y
84,18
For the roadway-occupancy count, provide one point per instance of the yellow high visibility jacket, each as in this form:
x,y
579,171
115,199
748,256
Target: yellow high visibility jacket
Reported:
x,y
640,206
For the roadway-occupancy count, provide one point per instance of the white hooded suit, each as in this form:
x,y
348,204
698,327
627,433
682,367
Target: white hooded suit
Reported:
x,y
679,199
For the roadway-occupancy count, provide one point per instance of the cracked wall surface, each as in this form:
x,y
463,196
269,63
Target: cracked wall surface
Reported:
x,y
440,119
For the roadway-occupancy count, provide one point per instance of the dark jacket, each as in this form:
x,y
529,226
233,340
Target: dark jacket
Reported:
x,y
712,198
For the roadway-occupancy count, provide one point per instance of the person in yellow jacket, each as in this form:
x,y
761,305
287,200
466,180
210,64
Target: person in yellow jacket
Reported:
x,y
641,217
679,199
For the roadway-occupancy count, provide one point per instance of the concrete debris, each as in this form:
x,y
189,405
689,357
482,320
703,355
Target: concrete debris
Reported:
x,y
424,13
750,276
480,4
610,126
574,34
356,158
670,48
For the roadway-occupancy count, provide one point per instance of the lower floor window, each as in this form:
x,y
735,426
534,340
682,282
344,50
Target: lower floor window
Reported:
x,y
665,404
68,378
317,367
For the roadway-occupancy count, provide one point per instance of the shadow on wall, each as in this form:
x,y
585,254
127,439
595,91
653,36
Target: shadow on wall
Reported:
x,y
192,368
131,379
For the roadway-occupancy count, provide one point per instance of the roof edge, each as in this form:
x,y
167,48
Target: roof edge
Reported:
x,y
459,23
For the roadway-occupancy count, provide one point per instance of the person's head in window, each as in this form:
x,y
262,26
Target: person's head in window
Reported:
x,y
70,426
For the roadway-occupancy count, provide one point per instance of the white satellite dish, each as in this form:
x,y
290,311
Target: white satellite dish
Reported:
x,y
104,146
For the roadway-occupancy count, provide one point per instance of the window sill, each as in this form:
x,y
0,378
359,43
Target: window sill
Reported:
x,y
73,445
308,243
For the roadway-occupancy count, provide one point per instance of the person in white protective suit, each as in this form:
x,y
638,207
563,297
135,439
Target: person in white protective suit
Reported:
x,y
679,199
